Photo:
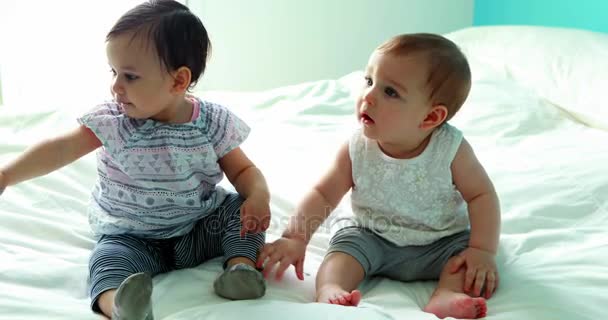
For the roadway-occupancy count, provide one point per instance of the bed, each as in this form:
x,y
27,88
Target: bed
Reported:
x,y
537,118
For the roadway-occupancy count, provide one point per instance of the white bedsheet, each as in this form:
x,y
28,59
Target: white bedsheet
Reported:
x,y
550,169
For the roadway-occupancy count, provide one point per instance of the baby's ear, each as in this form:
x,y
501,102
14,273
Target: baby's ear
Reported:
x,y
435,117
181,80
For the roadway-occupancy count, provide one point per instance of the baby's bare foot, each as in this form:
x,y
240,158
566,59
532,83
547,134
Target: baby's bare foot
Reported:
x,y
335,295
445,303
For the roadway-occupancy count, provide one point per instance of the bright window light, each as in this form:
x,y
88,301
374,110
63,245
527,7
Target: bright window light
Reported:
x,y
53,52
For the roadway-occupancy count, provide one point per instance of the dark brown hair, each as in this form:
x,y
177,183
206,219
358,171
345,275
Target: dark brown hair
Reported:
x,y
449,75
179,37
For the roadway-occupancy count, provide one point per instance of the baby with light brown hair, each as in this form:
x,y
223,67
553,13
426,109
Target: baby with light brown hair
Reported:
x,y
423,206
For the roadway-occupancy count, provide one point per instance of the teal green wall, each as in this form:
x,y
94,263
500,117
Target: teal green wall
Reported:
x,y
582,14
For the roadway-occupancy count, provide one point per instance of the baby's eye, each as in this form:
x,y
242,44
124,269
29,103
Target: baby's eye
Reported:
x,y
391,92
369,81
130,77
113,72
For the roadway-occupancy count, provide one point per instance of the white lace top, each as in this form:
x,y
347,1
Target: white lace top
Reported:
x,y
408,201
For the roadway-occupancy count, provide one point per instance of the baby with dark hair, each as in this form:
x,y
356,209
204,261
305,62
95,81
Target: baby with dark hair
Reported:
x,y
161,152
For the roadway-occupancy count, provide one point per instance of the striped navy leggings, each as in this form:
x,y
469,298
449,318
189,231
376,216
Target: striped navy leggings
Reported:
x,y
116,257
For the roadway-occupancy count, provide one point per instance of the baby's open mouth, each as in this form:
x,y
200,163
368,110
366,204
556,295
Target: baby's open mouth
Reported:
x,y
366,119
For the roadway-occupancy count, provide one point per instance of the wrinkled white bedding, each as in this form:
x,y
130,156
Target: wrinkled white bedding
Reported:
x,y
534,117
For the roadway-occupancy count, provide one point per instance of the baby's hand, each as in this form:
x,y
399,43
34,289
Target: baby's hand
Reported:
x,y
255,215
481,270
285,251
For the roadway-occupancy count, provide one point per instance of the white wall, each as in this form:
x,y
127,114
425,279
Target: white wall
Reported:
x,y
55,50
260,44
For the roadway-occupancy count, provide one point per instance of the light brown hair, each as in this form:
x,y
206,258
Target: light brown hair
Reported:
x,y
449,75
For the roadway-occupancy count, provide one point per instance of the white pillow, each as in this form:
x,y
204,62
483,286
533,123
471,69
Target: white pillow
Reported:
x,y
568,67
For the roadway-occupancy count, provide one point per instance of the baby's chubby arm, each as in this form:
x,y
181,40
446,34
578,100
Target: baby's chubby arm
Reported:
x,y
249,182
312,211
49,155
478,191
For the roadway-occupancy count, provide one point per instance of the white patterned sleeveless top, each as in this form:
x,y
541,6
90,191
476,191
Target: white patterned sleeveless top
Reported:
x,y
408,201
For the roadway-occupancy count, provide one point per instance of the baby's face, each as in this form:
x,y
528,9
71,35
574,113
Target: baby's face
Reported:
x,y
394,100
140,84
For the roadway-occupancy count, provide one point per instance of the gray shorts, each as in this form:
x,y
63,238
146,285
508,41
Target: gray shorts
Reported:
x,y
380,257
